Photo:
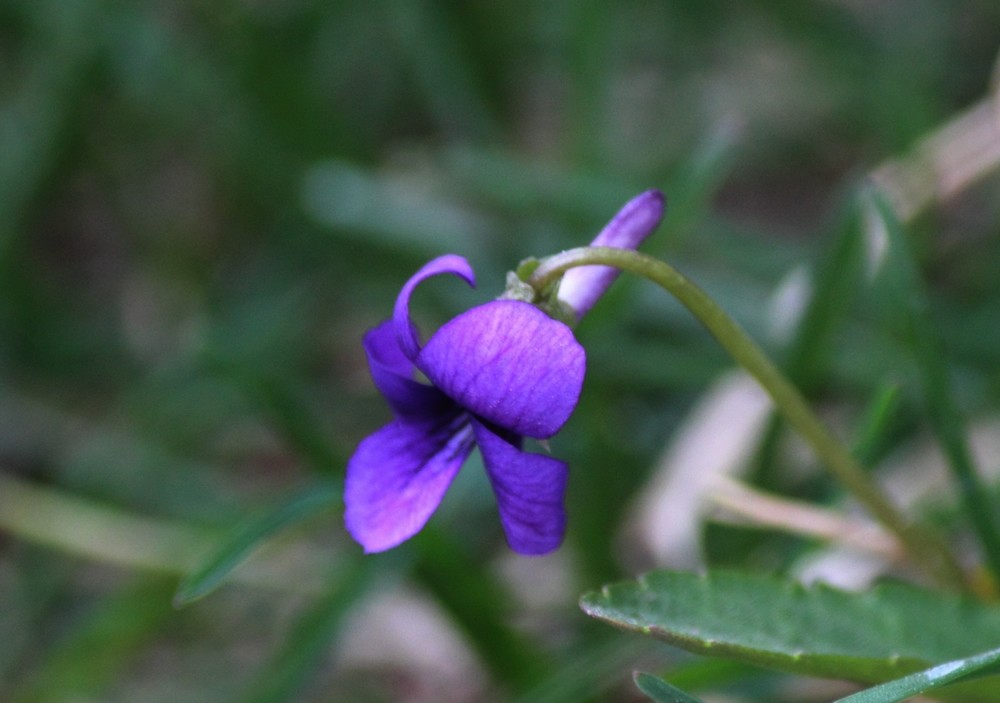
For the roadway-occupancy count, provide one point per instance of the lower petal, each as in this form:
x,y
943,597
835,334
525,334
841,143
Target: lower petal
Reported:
x,y
397,478
530,490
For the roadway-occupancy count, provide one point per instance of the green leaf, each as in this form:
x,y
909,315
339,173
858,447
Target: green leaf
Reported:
x,y
300,507
101,647
922,681
870,637
834,279
660,691
908,308
310,639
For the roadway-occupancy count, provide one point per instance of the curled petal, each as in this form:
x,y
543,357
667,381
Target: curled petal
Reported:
x,y
405,329
397,478
510,364
530,490
582,286
393,376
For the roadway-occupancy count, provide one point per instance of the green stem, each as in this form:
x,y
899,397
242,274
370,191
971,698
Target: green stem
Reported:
x,y
926,548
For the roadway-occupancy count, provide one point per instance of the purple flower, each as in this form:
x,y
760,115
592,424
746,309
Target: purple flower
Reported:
x,y
497,373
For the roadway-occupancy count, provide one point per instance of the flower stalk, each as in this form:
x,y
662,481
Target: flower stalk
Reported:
x,y
926,548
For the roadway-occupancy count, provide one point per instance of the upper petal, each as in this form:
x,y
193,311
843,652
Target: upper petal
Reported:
x,y
583,285
393,376
530,490
509,363
397,478
406,331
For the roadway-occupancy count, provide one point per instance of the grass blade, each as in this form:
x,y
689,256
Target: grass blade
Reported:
x,y
311,502
934,677
907,301
660,691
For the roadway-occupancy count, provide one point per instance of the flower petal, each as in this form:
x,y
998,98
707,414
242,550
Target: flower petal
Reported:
x,y
393,376
509,363
530,489
397,478
583,285
405,329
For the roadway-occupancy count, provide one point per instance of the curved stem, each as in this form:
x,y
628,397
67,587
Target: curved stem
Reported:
x,y
926,548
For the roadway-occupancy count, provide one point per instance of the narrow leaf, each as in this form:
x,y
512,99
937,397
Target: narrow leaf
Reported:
x,y
922,681
908,307
300,507
660,691
100,648
310,639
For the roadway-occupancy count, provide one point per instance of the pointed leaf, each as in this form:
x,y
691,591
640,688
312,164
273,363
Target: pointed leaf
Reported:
x,y
908,308
660,691
310,503
929,679
310,638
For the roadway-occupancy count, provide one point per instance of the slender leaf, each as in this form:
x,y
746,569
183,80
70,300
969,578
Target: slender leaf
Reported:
x,y
660,691
871,637
834,286
877,423
929,679
106,641
309,640
478,606
908,305
585,673
300,507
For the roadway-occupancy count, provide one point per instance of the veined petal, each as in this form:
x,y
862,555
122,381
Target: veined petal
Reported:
x,y
509,363
406,331
530,490
393,376
397,478
583,285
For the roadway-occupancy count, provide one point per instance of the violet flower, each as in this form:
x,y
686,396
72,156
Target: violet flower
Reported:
x,y
498,373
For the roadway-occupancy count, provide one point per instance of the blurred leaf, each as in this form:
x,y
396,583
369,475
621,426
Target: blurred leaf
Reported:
x,y
93,655
287,409
312,502
660,691
586,671
701,672
835,282
310,639
907,308
819,631
700,177
929,679
434,49
478,606
880,417
36,120
389,211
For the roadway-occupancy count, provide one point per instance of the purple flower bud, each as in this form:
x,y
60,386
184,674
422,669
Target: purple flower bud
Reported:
x,y
582,286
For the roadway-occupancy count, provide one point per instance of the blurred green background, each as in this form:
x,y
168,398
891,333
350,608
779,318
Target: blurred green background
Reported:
x,y
203,206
